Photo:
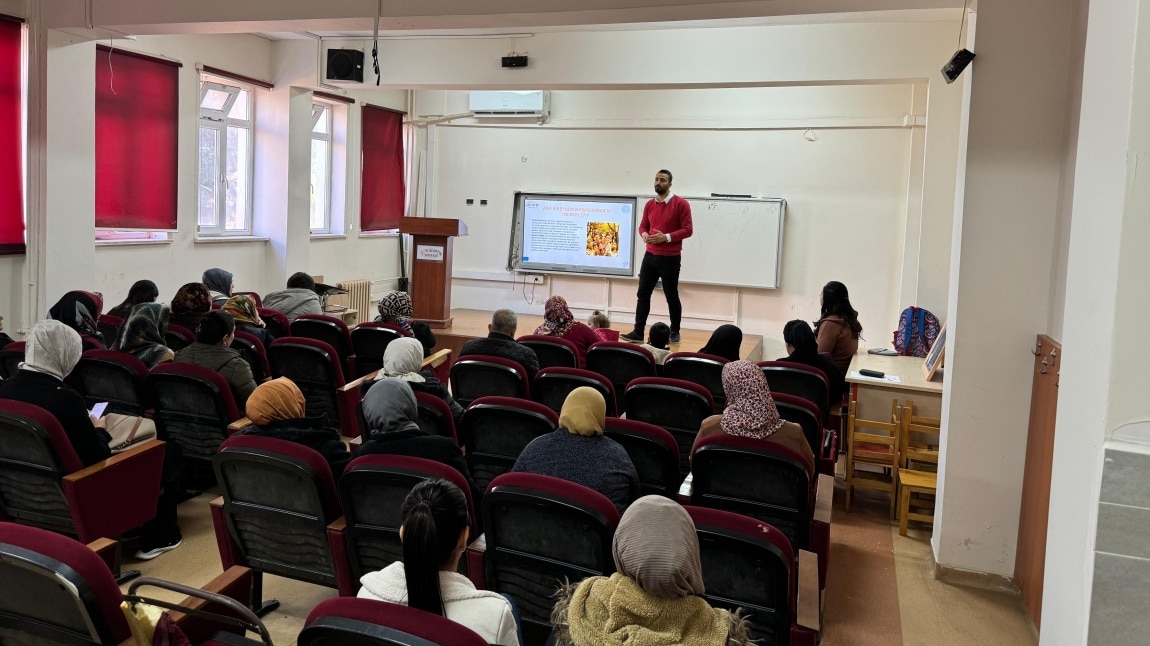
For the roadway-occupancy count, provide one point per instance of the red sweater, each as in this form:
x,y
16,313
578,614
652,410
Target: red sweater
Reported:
x,y
673,217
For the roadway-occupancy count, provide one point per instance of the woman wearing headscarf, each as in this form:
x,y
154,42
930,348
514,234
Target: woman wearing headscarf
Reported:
x,y
142,291
751,411
804,349
52,349
395,307
80,311
220,282
558,321
247,317
655,597
402,360
191,303
277,409
724,342
143,334
578,451
390,409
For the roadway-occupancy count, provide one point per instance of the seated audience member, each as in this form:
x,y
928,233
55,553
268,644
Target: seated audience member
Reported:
x,y
500,342
243,310
277,409
435,536
558,321
724,342
213,351
801,345
751,411
142,291
403,360
80,311
425,336
391,412
657,340
191,303
655,597
220,282
4,338
52,350
578,451
300,297
838,328
143,334
601,325
396,308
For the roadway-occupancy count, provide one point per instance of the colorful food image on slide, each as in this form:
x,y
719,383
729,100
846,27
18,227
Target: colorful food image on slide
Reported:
x,y
602,239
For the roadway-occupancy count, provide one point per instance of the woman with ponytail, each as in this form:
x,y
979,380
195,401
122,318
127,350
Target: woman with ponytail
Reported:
x,y
435,535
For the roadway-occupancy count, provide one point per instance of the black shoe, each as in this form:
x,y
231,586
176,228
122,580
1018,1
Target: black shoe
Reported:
x,y
634,336
675,338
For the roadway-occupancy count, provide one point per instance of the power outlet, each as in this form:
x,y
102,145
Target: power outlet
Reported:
x,y
536,279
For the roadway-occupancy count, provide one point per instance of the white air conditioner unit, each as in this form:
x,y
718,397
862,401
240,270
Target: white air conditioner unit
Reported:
x,y
501,103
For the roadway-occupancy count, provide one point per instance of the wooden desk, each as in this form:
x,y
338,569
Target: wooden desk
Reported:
x,y
874,395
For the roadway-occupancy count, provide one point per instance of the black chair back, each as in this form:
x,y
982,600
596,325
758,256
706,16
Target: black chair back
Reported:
x,y
253,352
674,405
10,361
799,380
369,340
314,370
552,351
654,453
194,406
703,369
552,385
331,331
474,376
31,474
620,363
495,429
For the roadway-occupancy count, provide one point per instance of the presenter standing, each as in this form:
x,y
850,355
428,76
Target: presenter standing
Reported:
x,y
666,223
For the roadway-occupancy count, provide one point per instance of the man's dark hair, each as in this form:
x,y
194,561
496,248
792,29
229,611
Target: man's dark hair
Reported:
x,y
670,178
301,280
659,336
214,327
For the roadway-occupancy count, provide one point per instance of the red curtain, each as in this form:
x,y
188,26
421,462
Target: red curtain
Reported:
x,y
11,147
137,110
382,185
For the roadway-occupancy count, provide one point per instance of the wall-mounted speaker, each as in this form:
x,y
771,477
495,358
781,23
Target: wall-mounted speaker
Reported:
x,y
345,65
514,61
956,64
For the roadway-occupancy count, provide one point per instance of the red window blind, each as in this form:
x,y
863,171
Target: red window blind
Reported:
x,y
137,110
11,146
382,186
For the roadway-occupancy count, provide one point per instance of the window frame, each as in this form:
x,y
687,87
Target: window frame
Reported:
x,y
322,110
221,121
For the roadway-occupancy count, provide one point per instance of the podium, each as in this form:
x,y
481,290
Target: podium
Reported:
x,y
431,266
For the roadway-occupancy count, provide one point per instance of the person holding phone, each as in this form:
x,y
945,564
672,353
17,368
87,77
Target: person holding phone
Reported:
x,y
666,223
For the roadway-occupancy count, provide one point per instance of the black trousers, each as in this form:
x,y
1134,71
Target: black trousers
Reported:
x,y
651,271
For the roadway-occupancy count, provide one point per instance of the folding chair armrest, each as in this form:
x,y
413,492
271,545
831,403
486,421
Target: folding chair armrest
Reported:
x,y
239,425
476,568
354,384
807,602
824,498
117,494
109,552
229,551
234,583
341,562
437,359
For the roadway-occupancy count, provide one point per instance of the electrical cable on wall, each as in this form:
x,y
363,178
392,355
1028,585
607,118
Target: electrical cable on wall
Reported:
x,y
375,41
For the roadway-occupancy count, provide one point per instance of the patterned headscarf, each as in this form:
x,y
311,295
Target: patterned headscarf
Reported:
x,y
192,298
243,310
395,307
403,358
750,408
275,401
657,546
79,311
557,318
52,348
143,333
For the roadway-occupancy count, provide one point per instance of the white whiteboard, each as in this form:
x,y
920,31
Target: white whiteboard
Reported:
x,y
726,228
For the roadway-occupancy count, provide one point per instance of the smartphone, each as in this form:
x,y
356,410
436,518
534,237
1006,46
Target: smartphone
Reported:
x,y
98,410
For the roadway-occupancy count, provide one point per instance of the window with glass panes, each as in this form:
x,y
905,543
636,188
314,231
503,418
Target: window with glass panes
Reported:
x,y
224,188
320,205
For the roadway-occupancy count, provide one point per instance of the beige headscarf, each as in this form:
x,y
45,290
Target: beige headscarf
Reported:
x,y
275,401
656,545
52,348
403,358
584,411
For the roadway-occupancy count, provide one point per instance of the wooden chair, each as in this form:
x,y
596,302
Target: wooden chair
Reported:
x,y
873,443
919,439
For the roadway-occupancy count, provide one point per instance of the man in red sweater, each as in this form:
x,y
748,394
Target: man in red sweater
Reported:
x,y
666,223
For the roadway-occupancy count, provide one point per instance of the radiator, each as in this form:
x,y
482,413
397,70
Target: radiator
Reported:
x,y
358,297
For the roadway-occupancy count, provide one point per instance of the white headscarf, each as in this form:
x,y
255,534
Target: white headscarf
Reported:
x,y
403,358
52,348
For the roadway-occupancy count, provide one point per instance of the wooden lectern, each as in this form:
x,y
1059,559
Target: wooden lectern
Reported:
x,y
431,266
